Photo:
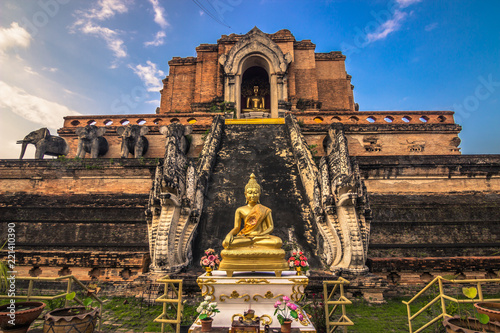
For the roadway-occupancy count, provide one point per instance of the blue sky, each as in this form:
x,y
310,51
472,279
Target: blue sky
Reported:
x,y
69,57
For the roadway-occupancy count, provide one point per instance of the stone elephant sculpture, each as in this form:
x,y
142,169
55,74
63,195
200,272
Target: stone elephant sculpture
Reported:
x,y
178,131
133,140
45,144
91,140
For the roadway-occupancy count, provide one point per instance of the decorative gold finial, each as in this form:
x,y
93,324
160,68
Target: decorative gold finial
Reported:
x,y
252,183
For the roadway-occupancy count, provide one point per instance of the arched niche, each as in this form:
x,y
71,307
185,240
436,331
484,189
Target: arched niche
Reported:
x,y
255,49
255,72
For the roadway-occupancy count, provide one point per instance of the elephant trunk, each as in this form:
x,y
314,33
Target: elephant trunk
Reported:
x,y
23,148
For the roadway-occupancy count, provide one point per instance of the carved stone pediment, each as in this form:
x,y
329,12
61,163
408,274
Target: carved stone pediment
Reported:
x,y
255,42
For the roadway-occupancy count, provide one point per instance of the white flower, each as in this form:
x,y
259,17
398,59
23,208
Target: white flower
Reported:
x,y
199,309
213,305
204,304
208,298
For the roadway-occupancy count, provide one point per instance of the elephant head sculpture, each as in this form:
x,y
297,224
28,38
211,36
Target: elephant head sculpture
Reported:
x,y
91,140
133,140
45,144
178,131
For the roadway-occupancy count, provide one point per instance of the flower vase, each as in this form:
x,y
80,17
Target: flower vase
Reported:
x,y
206,325
209,271
299,270
286,327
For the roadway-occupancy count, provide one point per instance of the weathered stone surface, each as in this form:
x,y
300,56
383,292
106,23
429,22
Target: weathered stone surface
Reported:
x,y
75,222
265,151
435,225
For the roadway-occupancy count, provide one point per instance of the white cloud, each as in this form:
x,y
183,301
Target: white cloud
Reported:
x,y
114,43
201,13
15,36
406,3
30,70
154,101
33,108
50,69
150,75
159,39
430,27
105,9
387,27
159,14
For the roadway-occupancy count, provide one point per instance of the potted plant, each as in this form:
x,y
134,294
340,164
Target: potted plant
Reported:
x,y
466,322
287,312
298,261
81,319
210,261
207,311
15,317
491,309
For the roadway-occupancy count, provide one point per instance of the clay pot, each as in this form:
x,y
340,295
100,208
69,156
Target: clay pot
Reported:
x,y
26,313
286,327
472,325
206,325
67,320
492,309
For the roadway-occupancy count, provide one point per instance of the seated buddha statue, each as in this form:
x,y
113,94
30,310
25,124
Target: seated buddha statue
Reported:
x,y
255,102
251,247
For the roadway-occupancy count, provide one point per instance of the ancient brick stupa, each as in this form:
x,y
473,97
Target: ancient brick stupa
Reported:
x,y
357,191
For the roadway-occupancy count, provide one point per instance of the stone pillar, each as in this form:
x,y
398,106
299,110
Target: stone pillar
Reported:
x,y
274,95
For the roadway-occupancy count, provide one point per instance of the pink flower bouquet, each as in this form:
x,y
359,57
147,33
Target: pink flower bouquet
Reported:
x,y
287,311
210,259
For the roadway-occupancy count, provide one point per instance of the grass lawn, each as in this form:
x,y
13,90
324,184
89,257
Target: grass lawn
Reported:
x,y
133,315
390,317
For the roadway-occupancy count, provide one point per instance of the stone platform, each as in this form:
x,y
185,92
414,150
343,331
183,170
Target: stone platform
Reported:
x,y
253,290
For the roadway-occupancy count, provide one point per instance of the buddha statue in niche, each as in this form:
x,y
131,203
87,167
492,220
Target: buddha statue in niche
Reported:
x,y
251,247
255,102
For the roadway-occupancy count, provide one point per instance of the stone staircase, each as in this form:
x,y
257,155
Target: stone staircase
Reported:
x,y
265,151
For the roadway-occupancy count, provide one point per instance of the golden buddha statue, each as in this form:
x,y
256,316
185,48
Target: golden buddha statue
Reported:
x,y
252,247
255,102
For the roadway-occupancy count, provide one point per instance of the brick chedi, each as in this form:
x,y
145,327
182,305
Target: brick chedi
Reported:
x,y
319,78
292,78
414,206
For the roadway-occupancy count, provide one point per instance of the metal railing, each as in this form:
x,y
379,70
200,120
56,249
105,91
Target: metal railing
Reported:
x,y
69,287
331,306
442,298
170,290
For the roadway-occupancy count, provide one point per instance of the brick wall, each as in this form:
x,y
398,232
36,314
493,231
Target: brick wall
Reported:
x,y
207,74
304,70
433,215
334,85
77,217
178,93
88,176
431,174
